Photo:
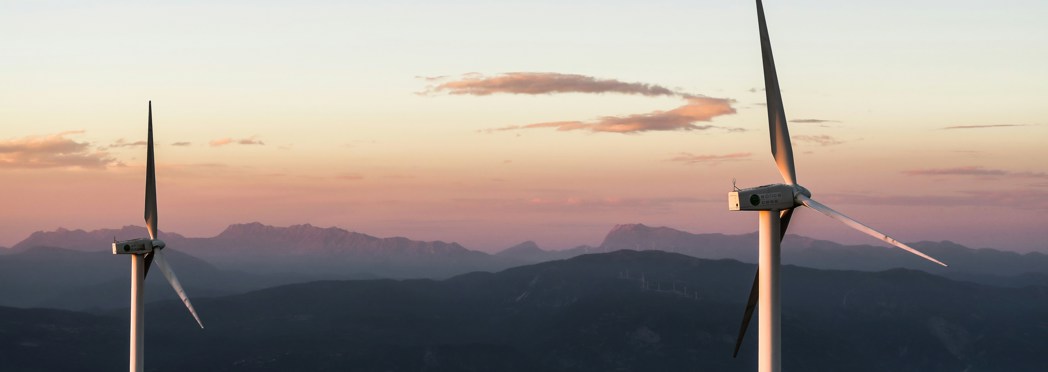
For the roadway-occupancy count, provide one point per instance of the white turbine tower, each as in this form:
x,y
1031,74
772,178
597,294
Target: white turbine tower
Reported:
x,y
775,204
145,251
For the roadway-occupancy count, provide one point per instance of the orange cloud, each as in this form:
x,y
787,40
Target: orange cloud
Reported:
x,y
544,83
682,118
52,151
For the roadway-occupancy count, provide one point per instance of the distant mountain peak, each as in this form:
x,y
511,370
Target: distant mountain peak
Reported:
x,y
523,250
629,227
305,239
640,237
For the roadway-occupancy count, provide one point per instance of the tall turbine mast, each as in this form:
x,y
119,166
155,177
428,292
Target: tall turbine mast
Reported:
x,y
775,204
143,252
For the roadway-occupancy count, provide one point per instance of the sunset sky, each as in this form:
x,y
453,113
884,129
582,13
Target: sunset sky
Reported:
x,y
491,123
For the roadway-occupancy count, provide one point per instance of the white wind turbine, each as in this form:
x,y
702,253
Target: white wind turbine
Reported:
x,y
144,251
775,204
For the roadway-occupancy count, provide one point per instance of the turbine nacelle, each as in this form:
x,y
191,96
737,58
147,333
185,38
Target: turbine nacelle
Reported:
x,y
762,198
137,246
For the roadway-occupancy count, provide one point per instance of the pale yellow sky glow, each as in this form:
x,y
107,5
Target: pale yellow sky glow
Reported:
x,y
926,123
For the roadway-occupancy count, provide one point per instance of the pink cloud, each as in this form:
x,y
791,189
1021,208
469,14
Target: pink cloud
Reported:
x,y
681,118
52,151
544,83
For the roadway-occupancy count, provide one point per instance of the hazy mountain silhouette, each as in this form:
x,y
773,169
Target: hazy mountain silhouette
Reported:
x,y
987,266
299,249
527,250
88,241
626,310
82,274
68,279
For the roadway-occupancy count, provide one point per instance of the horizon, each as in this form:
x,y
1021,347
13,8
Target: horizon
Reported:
x,y
555,123
489,250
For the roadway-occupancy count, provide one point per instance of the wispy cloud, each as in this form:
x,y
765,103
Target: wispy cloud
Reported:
x,y
433,78
973,171
1025,198
543,83
822,139
52,151
123,143
984,126
181,144
243,141
712,159
580,204
349,176
698,109
814,121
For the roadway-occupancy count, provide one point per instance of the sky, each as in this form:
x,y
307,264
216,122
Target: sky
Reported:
x,y
491,123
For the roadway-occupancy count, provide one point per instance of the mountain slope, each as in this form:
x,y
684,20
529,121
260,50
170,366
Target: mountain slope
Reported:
x,y
76,280
624,310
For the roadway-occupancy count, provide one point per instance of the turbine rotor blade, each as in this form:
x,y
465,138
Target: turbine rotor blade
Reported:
x,y
751,304
784,222
861,227
150,215
165,268
149,261
781,148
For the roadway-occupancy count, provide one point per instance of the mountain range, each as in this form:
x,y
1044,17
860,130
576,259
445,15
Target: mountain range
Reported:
x,y
74,269
624,310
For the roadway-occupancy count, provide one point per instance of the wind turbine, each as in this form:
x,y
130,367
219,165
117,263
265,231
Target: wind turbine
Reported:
x,y
144,251
775,204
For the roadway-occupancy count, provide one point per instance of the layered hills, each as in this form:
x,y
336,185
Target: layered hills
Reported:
x,y
624,310
74,269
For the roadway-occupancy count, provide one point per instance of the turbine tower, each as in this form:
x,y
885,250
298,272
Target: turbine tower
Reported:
x,y
775,204
145,251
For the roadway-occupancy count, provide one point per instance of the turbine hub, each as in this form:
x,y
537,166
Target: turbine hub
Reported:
x,y
800,190
158,244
